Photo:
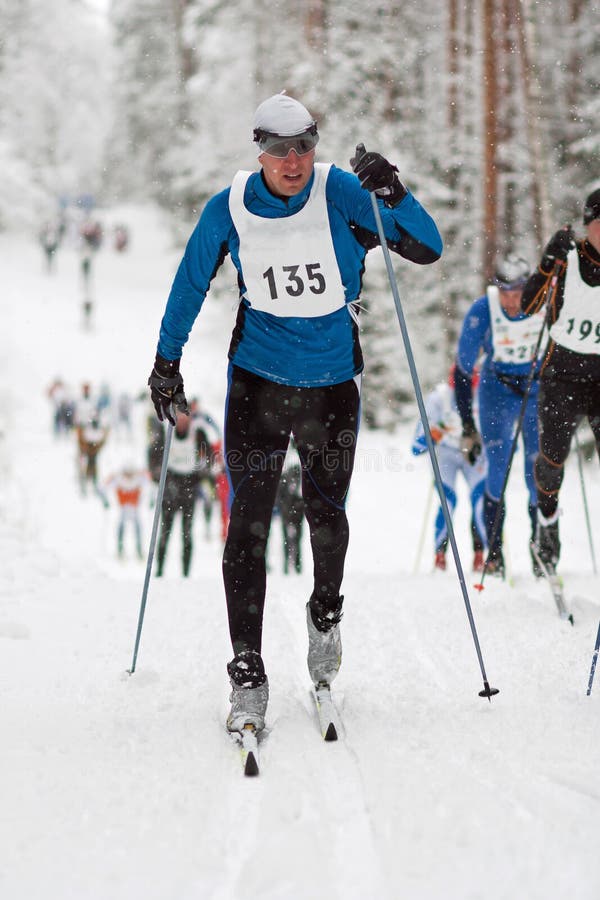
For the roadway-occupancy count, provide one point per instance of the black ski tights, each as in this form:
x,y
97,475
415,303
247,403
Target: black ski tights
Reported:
x,y
562,405
260,418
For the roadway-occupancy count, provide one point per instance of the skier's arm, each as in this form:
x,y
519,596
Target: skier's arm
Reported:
x,y
205,252
409,229
554,256
463,390
475,326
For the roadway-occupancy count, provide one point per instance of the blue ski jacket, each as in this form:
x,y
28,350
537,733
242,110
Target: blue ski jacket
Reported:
x,y
476,337
297,351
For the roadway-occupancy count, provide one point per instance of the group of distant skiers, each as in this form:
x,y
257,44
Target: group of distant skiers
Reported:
x,y
195,473
527,366
87,235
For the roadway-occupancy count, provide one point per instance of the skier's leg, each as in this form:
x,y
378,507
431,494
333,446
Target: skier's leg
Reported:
x,y
325,430
138,534
592,411
475,476
449,461
498,409
560,405
187,504
559,408
167,515
120,534
257,427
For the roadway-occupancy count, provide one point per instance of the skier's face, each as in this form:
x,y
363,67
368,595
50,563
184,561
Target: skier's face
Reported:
x,y
511,302
182,423
593,234
287,177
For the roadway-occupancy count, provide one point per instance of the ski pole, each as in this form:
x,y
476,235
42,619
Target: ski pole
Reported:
x,y
424,527
594,661
585,503
530,378
487,690
157,508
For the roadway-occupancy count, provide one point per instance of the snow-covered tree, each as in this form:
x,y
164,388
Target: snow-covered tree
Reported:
x,y
53,105
489,108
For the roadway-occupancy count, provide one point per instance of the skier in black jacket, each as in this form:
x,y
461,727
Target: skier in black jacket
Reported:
x,y
570,379
189,462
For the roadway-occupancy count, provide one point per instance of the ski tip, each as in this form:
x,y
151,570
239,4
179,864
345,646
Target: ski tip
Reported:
x,y
331,733
251,767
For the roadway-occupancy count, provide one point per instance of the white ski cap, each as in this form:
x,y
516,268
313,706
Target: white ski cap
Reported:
x,y
283,115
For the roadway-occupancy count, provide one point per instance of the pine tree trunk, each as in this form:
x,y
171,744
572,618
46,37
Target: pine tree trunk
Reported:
x,y
490,131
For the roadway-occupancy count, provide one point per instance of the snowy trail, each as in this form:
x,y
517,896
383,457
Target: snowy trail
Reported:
x,y
129,787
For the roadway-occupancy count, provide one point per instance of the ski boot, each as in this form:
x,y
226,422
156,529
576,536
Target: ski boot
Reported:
x,y
478,561
495,565
493,516
536,568
324,639
249,691
547,541
440,560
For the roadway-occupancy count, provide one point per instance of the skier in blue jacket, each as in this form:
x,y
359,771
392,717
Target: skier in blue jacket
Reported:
x,y
298,233
495,326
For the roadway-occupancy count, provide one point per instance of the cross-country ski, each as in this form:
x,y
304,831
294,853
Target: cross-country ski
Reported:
x,y
326,712
555,584
248,742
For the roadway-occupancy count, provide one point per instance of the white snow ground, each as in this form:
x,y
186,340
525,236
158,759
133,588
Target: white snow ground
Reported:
x,y
117,786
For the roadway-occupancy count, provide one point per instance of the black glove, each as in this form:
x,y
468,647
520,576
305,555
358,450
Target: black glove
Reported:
x,y
377,174
166,389
558,247
470,443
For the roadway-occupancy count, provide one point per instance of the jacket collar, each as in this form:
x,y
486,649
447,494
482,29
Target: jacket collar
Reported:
x,y
290,204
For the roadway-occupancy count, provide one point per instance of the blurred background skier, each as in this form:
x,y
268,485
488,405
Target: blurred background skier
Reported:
x,y
446,431
495,326
86,405
91,438
63,407
121,238
49,238
128,487
207,477
189,459
570,380
90,240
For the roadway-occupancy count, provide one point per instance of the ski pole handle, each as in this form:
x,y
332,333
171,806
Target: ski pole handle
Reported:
x,y
358,155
